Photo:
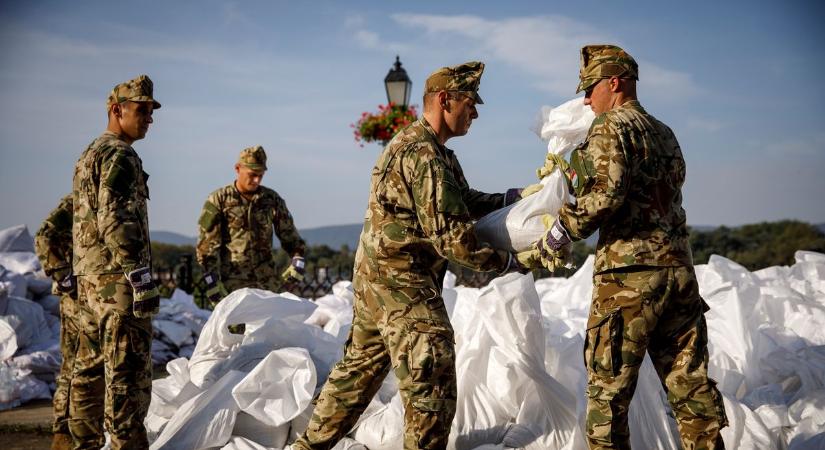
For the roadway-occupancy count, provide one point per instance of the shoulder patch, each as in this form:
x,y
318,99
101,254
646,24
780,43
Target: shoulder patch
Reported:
x,y
121,176
209,216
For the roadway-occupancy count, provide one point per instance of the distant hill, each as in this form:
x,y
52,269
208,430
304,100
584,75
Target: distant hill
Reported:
x,y
170,237
333,236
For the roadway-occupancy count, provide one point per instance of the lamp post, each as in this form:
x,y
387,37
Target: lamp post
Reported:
x,y
398,85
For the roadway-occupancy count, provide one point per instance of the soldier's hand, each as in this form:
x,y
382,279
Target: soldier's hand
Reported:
x,y
556,236
295,270
215,291
68,284
146,298
529,259
555,248
530,190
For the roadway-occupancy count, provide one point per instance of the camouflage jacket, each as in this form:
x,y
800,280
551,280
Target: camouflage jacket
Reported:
x,y
110,232
629,176
420,215
235,239
53,241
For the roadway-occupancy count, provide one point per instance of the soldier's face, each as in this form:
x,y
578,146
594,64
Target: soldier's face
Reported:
x,y
134,118
460,113
248,180
599,97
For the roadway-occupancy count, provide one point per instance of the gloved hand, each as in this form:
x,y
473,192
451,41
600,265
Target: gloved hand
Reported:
x,y
67,285
515,194
555,248
146,298
529,259
530,190
215,291
295,270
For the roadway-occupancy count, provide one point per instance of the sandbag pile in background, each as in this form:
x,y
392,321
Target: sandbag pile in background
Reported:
x,y
30,324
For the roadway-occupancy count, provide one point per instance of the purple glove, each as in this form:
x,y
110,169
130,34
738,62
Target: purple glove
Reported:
x,y
512,195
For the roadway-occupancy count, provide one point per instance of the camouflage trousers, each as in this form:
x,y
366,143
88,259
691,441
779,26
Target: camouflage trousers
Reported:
x,y
112,376
409,329
68,348
656,310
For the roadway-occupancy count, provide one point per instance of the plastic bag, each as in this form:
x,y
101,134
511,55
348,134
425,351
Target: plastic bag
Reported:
x,y
518,226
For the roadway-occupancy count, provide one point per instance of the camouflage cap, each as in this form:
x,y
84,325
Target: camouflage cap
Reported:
x,y
253,158
605,61
461,78
136,90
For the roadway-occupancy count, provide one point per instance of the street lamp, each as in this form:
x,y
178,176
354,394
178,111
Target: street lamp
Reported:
x,y
398,85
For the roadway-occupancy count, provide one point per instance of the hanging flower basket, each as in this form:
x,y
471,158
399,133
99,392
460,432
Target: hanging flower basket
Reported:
x,y
380,127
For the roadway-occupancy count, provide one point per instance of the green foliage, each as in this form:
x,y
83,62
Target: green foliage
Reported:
x,y
758,245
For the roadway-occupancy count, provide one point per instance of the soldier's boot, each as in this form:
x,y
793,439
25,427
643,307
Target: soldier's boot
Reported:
x,y
61,441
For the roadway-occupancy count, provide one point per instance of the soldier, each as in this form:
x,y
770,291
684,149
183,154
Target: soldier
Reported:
x,y
112,377
53,243
419,216
630,172
235,241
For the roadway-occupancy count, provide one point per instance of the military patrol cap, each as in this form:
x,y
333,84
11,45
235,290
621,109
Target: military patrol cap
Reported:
x,y
605,61
461,78
136,90
253,158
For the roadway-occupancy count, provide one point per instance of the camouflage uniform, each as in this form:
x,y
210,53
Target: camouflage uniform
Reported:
x,y
419,215
112,377
629,174
53,243
235,239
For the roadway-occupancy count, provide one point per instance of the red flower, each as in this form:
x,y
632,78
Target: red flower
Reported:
x,y
382,126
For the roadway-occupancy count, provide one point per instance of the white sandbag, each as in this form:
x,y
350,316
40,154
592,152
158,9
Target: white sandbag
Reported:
x,y
745,428
16,239
8,340
501,373
173,332
29,323
334,312
20,262
518,226
252,307
12,284
259,433
381,427
279,388
204,421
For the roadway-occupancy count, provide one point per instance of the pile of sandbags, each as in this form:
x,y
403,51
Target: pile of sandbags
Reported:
x,y
519,365
30,324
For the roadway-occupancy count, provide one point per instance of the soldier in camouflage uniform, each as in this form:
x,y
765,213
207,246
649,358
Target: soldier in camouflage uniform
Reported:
x,y
235,241
629,175
53,243
112,377
419,216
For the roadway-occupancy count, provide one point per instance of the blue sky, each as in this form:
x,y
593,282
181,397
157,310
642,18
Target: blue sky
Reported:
x,y
738,81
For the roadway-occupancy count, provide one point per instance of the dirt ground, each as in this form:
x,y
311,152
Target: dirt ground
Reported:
x,y
24,440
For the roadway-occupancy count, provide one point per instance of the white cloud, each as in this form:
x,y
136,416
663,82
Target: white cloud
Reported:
x,y
367,39
546,48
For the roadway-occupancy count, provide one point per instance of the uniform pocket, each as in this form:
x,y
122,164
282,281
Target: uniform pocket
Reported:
x,y
431,350
603,344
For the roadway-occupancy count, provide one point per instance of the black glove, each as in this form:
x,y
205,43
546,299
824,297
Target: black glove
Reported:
x,y
67,285
146,298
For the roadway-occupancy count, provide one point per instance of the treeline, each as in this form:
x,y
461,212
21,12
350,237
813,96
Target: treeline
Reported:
x,y
759,245
755,246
